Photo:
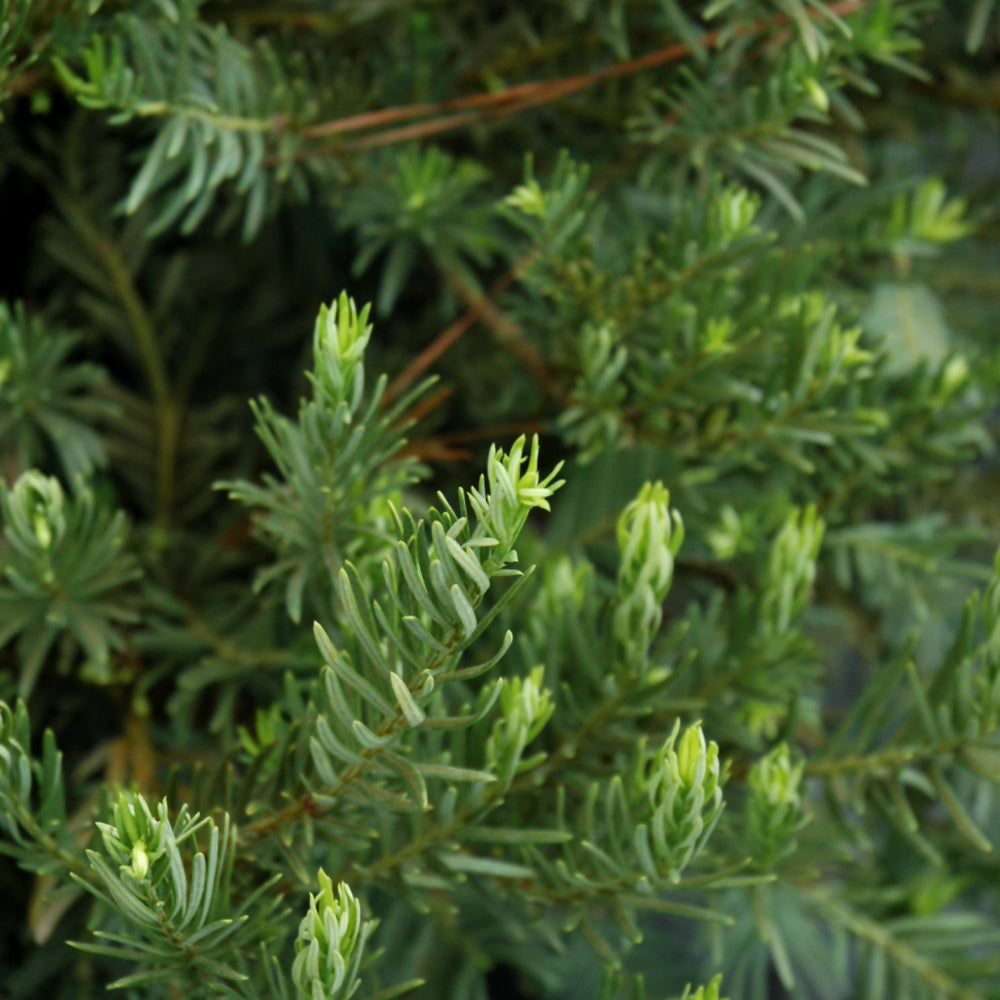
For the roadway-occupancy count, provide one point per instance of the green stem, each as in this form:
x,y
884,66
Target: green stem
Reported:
x,y
229,123
166,407
878,936
48,844
889,759
349,780
227,650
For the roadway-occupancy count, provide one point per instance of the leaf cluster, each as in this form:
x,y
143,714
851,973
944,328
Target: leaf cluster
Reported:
x,y
644,629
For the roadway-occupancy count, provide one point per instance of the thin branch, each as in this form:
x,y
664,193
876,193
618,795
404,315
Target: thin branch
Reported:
x,y
902,952
166,406
512,100
479,307
888,759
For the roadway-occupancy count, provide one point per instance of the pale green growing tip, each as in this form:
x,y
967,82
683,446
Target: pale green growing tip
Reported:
x,y
330,943
39,507
776,779
709,992
649,535
140,859
681,782
528,198
818,96
691,756
42,530
343,329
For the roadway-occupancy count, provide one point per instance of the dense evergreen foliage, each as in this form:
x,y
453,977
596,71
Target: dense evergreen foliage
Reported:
x,y
610,602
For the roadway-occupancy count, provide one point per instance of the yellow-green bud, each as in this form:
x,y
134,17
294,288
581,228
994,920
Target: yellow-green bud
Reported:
x,y
140,859
340,337
526,706
818,96
709,992
43,532
330,943
649,535
773,809
691,756
682,787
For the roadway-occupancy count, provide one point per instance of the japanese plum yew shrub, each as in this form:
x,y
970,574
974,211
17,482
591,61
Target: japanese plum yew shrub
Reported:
x,y
597,597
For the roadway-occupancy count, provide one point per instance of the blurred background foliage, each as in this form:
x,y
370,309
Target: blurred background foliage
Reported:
x,y
529,193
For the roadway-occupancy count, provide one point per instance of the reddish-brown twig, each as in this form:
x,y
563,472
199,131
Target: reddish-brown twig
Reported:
x,y
465,110
517,98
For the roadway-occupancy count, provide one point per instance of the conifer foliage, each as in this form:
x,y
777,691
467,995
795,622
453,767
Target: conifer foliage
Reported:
x,y
601,602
